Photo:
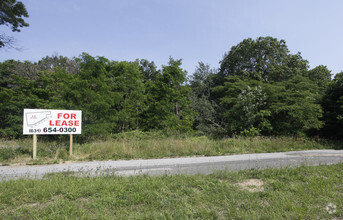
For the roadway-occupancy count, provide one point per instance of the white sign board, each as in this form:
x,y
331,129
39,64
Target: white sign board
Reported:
x,y
47,121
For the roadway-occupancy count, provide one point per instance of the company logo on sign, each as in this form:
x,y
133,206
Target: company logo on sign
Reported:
x,y
35,118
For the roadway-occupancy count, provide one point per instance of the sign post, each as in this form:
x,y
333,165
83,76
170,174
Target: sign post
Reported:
x,y
34,151
49,122
71,145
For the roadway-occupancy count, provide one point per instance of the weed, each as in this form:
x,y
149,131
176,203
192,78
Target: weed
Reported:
x,y
145,145
7,153
287,193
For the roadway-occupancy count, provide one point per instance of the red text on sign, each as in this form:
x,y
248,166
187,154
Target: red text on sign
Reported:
x,y
64,123
66,115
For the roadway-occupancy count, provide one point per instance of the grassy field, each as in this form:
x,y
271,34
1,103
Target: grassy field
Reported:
x,y
135,146
288,193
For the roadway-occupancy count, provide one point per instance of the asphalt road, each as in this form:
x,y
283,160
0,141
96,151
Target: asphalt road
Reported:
x,y
172,166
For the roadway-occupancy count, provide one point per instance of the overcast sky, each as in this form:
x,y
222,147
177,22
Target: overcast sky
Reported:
x,y
191,30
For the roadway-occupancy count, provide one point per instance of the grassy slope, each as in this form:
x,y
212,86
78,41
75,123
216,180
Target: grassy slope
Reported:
x,y
288,193
152,147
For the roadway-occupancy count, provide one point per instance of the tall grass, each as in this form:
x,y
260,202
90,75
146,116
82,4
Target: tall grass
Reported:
x,y
133,148
287,193
143,146
20,151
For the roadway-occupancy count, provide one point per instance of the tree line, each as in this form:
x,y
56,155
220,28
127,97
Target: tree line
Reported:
x,y
260,88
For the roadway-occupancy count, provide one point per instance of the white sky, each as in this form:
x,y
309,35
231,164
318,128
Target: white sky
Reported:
x,y
191,30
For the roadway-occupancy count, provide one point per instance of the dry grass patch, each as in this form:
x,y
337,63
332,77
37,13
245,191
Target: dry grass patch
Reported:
x,y
252,185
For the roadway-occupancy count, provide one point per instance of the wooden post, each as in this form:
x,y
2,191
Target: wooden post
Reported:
x,y
34,152
71,145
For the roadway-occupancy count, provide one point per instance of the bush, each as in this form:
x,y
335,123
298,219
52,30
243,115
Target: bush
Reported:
x,y
252,132
7,153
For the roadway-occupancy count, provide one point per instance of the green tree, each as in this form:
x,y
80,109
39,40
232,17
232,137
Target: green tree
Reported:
x,y
19,91
167,101
148,70
265,89
252,59
128,83
51,63
244,106
11,15
321,76
22,93
294,106
91,90
206,120
249,114
333,108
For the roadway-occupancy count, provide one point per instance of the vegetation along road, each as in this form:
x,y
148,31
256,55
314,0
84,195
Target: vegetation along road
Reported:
x,y
186,165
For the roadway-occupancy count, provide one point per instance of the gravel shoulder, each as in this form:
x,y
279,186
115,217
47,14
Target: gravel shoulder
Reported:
x,y
174,166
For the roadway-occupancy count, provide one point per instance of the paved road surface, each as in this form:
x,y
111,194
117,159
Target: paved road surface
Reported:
x,y
186,165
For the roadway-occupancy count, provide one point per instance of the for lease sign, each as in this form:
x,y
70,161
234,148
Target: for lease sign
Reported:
x,y
48,121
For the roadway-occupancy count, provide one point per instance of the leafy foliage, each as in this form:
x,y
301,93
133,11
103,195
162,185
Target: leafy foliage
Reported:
x,y
259,89
266,90
206,121
112,95
167,101
294,107
333,108
11,13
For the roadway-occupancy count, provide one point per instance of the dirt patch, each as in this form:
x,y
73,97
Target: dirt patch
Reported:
x,y
41,205
36,205
252,185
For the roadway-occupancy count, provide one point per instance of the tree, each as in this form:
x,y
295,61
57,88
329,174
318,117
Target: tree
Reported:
x,y
11,15
249,115
253,59
167,100
148,70
32,85
58,62
244,106
266,90
20,93
128,83
206,120
333,108
321,76
294,106
91,90
265,59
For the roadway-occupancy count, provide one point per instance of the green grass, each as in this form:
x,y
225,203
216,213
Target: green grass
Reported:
x,y
20,151
138,146
287,193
